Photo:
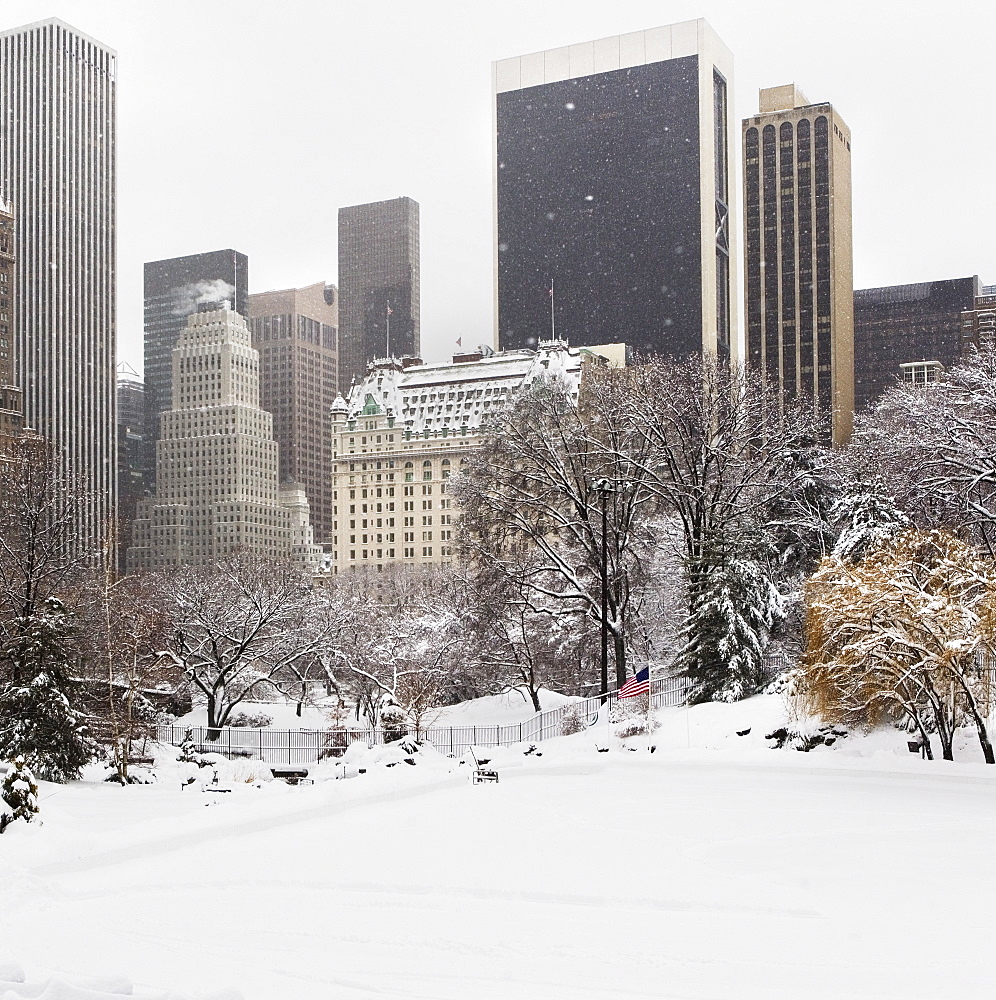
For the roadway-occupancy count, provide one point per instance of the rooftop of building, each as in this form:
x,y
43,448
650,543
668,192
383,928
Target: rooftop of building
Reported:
x,y
462,392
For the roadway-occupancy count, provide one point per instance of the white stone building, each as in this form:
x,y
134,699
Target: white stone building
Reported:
x,y
404,431
217,487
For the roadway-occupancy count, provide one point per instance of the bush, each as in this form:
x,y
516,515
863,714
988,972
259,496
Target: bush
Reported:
x,y
19,794
258,721
573,721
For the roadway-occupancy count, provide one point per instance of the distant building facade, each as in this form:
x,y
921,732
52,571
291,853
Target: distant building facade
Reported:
x,y
898,324
379,290
132,480
175,289
217,484
799,292
58,142
11,404
614,212
295,331
405,430
978,324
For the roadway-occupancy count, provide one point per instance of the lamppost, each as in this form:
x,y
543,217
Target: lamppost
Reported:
x,y
604,487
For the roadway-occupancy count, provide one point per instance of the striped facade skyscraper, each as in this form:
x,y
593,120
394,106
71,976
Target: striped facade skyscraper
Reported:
x,y
58,156
800,290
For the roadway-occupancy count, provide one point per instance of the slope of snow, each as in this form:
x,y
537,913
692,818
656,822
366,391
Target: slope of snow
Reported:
x,y
714,867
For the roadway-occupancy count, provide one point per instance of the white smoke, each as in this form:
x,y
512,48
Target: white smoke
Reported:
x,y
186,298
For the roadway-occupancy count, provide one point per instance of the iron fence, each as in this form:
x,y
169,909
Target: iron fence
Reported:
x,y
306,746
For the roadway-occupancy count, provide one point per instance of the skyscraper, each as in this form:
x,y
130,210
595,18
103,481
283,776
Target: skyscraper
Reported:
x,y
378,285
131,452
900,324
217,486
174,289
295,332
797,243
58,123
613,207
11,417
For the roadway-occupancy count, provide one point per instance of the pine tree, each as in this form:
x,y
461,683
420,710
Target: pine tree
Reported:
x,y
37,719
19,794
735,605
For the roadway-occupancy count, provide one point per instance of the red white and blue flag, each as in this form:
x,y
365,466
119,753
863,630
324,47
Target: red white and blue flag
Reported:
x,y
639,683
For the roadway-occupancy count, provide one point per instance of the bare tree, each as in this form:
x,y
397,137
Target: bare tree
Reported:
x,y
239,626
557,485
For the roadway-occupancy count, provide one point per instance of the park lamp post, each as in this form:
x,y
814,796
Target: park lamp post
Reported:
x,y
604,487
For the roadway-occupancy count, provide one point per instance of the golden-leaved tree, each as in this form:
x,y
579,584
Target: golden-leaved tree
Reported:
x,y
903,632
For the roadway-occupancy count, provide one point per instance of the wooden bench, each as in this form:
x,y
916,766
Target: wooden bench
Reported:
x,y
292,775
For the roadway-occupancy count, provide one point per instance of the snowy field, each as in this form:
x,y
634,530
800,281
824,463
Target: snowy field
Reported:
x,y
713,868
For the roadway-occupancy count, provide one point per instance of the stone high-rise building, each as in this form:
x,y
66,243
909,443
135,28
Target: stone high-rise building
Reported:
x,y
898,325
797,250
174,289
378,285
11,415
295,331
58,152
614,212
217,486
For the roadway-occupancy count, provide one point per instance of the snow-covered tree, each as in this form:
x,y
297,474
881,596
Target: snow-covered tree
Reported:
x,y
559,482
238,627
18,794
867,519
899,634
727,632
38,720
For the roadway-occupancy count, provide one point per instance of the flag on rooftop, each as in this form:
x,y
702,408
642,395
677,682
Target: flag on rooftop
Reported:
x,y
639,683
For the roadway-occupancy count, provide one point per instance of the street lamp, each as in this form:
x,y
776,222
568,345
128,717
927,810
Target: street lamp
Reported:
x,y
604,487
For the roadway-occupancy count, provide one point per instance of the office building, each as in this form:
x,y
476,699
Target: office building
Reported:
x,y
295,331
217,488
174,290
614,215
132,479
407,428
378,285
978,324
900,324
11,413
799,292
58,136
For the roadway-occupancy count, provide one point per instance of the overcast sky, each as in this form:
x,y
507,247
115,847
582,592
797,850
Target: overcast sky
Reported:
x,y
247,123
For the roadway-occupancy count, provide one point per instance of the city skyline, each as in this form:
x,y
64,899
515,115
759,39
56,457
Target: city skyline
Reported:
x,y
421,127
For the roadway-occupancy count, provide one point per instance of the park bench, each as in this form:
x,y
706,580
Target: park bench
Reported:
x,y
481,771
292,775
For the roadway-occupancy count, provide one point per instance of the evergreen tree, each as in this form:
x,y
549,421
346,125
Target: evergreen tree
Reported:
x,y
37,719
736,606
19,794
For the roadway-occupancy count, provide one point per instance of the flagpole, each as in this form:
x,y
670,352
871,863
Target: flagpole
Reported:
x,y
553,319
388,345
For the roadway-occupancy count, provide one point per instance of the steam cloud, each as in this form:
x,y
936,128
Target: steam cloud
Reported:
x,y
186,298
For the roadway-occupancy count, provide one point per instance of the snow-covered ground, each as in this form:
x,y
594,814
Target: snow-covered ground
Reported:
x,y
714,867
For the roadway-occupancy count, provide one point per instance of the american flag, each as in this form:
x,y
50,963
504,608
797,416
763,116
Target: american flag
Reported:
x,y
639,683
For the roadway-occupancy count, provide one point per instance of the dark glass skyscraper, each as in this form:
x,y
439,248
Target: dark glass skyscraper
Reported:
x,y
378,285
174,289
899,324
612,194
